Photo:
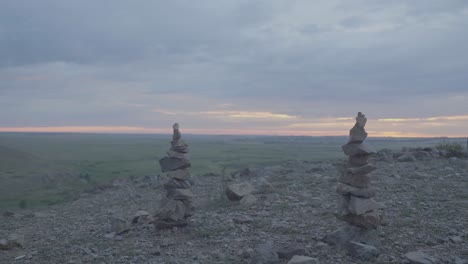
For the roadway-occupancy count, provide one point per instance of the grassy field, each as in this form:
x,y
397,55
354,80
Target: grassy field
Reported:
x,y
43,168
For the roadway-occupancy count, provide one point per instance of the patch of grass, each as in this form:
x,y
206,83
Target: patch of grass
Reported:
x,y
449,150
82,161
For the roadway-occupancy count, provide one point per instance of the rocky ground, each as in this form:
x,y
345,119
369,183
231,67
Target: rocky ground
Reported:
x,y
426,200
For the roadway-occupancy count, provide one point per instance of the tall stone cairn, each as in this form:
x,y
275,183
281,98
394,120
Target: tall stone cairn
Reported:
x,y
177,206
356,205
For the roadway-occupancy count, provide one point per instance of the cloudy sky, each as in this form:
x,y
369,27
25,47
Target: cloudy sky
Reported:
x,y
290,67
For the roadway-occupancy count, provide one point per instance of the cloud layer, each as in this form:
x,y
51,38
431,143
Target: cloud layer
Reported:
x,y
242,66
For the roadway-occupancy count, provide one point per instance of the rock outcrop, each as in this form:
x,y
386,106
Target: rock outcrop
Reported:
x,y
177,206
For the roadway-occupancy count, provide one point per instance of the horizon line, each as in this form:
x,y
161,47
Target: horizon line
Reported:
x,y
114,130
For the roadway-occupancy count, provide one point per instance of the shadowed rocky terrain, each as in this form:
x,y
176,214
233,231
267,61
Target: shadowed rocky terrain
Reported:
x,y
289,210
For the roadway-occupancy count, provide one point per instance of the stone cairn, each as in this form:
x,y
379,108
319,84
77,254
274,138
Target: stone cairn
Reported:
x,y
356,206
177,206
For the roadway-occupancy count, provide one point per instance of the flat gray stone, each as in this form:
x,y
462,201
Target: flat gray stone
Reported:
x,y
366,169
419,257
360,206
370,220
303,260
119,225
174,183
353,149
171,164
358,160
178,155
342,188
355,180
182,174
179,146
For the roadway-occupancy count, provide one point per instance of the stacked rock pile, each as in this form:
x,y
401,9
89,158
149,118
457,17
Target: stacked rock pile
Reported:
x,y
356,206
177,206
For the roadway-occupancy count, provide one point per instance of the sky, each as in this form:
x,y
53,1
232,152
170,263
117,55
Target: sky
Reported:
x,y
270,67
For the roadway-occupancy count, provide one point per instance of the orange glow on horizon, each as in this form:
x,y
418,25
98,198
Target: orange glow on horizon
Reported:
x,y
145,130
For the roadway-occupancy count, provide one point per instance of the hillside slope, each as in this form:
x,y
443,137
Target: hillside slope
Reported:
x,y
426,210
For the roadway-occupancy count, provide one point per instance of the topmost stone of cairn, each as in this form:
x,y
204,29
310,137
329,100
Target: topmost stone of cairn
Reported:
x,y
357,134
176,132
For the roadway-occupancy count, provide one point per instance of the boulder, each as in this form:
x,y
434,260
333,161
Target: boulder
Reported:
x,y
171,164
264,187
119,225
419,257
264,254
362,251
303,260
141,217
236,191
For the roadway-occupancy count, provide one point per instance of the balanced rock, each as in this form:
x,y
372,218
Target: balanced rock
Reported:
x,y
180,174
353,149
360,206
177,206
342,188
370,220
355,205
355,180
170,164
174,154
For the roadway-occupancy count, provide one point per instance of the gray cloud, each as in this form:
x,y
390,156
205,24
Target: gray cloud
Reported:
x,y
111,62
